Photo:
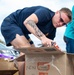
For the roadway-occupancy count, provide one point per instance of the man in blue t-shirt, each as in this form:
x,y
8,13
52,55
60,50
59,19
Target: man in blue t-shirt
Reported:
x,y
37,20
69,35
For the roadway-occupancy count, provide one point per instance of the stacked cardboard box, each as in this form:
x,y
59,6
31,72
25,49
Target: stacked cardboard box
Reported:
x,y
7,68
20,64
47,61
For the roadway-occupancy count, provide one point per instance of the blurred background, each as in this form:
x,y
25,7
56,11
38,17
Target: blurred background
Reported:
x,y
9,6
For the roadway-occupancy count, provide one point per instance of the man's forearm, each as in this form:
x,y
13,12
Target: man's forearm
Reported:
x,y
38,33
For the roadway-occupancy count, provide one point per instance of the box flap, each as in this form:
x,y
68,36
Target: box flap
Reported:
x,y
19,58
7,68
39,50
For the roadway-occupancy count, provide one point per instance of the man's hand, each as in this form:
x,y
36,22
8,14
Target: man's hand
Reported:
x,y
55,45
45,41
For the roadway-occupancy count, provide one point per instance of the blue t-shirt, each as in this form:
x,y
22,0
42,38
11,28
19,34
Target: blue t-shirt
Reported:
x,y
44,19
70,27
69,32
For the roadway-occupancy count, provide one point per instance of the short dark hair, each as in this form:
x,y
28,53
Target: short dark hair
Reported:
x,y
68,12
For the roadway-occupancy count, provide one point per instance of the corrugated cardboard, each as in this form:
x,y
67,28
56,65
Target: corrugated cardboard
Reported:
x,y
46,61
21,67
20,64
7,68
71,57
19,58
73,62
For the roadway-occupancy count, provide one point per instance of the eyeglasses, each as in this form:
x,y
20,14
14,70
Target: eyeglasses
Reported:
x,y
61,20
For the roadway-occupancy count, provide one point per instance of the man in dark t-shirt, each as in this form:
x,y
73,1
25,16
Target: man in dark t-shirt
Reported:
x,y
37,20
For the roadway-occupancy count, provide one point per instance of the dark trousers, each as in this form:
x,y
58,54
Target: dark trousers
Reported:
x,y
69,44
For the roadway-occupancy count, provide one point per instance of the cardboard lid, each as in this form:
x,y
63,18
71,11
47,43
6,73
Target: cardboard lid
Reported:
x,y
37,50
7,67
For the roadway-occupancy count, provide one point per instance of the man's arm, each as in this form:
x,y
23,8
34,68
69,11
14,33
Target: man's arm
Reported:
x,y
36,32
30,24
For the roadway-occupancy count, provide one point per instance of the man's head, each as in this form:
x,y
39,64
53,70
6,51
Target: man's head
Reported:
x,y
62,17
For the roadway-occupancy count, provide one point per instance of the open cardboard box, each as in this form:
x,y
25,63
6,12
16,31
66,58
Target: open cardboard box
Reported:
x,y
20,67
46,61
71,58
7,68
20,64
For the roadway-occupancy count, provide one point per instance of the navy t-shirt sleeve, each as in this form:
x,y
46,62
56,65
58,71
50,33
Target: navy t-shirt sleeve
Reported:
x,y
43,14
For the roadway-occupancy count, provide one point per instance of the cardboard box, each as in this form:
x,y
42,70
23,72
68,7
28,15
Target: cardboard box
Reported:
x,y
73,62
47,61
21,68
71,58
7,68
20,64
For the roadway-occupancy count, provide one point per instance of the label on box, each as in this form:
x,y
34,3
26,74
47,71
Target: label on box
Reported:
x,y
43,73
42,66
